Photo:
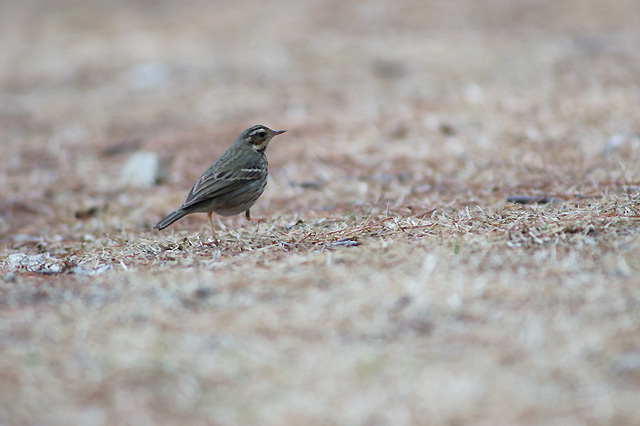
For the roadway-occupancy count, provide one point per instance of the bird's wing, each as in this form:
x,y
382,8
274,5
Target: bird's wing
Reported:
x,y
225,175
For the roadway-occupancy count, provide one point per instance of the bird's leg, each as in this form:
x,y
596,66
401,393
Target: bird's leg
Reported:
x,y
213,231
247,214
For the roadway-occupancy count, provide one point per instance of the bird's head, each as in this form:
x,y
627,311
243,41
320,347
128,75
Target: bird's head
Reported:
x,y
258,137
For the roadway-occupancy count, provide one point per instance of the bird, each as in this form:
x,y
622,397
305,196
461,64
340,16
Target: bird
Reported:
x,y
233,183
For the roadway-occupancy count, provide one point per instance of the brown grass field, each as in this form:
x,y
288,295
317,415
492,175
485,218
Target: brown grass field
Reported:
x,y
392,282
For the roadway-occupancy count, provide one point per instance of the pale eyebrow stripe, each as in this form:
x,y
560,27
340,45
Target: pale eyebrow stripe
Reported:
x,y
258,130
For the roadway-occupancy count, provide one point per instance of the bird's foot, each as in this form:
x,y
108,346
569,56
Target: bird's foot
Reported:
x,y
247,214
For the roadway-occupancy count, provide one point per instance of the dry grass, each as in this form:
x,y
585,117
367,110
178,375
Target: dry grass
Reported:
x,y
391,281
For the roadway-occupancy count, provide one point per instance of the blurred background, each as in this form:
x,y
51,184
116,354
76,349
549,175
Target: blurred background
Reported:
x,y
484,311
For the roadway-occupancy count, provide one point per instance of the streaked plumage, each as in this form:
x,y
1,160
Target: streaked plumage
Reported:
x,y
233,183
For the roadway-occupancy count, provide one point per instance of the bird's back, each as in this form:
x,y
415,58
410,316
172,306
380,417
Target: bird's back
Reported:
x,y
237,167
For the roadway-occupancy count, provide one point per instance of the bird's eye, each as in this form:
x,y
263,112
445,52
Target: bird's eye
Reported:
x,y
262,134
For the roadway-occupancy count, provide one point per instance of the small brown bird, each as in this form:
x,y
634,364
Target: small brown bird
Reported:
x,y
233,183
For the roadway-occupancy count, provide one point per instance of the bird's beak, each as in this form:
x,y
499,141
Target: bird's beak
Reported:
x,y
278,132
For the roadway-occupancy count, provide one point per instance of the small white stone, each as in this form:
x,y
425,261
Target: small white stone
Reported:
x,y
148,76
85,271
142,170
35,263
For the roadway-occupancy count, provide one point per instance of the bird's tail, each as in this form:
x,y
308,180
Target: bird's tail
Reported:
x,y
172,217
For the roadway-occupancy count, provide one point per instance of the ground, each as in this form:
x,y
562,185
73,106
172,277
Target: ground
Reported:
x,y
393,281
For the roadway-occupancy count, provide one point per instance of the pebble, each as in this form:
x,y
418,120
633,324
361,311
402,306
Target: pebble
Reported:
x,y
142,170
